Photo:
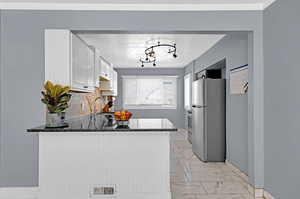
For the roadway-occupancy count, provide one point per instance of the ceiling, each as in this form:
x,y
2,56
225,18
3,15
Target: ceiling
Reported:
x,y
137,4
125,50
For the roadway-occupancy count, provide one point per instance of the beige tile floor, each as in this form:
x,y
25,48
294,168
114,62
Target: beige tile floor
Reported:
x,y
194,179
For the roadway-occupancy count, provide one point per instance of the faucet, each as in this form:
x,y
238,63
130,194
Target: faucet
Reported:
x,y
96,99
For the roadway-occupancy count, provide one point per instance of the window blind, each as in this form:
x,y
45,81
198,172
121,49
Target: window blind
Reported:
x,y
149,92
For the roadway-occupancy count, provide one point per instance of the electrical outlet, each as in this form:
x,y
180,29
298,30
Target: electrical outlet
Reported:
x,y
103,191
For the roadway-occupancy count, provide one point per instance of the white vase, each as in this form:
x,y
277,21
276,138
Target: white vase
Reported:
x,y
55,120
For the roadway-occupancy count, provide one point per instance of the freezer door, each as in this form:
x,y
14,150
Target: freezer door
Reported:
x,y
199,133
198,97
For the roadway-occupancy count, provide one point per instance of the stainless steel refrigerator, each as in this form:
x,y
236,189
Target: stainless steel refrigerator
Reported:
x,y
208,115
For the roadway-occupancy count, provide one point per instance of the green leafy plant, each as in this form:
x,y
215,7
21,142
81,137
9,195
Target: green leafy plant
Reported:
x,y
56,97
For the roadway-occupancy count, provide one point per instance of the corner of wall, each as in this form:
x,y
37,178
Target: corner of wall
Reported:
x,y
1,96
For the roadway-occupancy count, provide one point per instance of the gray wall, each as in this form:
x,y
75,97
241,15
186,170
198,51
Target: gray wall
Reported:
x,y
22,71
0,91
233,47
175,115
282,99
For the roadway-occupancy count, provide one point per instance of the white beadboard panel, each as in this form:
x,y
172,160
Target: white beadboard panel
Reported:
x,y
137,164
57,59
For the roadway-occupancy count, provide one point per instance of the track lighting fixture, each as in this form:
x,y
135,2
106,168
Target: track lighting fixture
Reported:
x,y
151,54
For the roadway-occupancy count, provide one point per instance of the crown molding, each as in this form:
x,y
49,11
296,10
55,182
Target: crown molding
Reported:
x,y
131,7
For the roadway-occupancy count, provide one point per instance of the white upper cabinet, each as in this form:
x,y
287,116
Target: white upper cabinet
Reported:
x,y
97,68
109,86
82,65
69,60
105,69
58,56
106,77
115,83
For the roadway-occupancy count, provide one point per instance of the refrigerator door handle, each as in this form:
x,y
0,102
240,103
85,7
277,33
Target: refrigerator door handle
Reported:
x,y
197,106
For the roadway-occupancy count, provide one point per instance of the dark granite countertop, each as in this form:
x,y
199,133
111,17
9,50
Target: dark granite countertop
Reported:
x,y
99,123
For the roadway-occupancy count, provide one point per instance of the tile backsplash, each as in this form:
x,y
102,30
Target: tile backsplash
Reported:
x,y
83,103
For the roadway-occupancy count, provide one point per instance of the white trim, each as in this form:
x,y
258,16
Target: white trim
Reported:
x,y
267,195
268,3
137,7
258,193
19,193
149,67
237,171
149,107
32,192
255,192
149,76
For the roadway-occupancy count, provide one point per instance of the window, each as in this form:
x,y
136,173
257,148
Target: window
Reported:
x,y
187,92
150,92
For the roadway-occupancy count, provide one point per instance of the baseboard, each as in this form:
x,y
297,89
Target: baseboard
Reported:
x,y
243,175
267,195
18,193
32,193
256,192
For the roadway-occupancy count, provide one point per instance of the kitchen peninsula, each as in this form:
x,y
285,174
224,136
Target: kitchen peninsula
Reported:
x,y
92,159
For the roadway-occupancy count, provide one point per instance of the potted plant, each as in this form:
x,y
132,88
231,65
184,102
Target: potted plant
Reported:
x,y
56,98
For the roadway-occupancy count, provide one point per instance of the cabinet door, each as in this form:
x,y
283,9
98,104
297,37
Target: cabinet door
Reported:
x,y
110,72
82,65
57,56
105,69
102,68
91,68
97,66
115,83
110,77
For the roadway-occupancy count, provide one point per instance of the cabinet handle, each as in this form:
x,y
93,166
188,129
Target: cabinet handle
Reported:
x,y
85,86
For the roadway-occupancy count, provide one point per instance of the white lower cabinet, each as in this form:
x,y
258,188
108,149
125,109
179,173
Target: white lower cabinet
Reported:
x,y
73,165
